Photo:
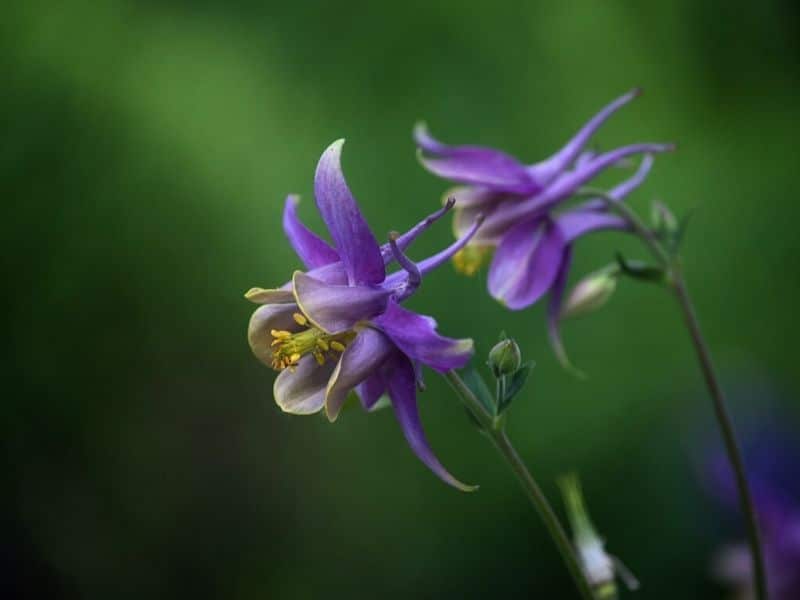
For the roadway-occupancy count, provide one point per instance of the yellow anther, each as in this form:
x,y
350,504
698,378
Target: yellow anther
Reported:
x,y
300,319
469,259
289,348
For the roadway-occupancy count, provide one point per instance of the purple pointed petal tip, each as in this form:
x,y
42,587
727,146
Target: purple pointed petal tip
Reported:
x,y
416,336
312,250
426,142
554,310
544,172
258,295
476,165
402,384
351,235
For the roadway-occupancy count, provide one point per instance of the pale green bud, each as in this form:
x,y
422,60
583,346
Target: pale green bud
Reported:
x,y
591,293
505,358
663,218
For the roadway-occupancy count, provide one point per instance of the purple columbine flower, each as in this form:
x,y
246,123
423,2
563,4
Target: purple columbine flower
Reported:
x,y
772,459
520,203
340,327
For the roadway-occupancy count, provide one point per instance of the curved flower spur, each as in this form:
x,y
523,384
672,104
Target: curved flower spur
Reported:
x,y
340,326
521,203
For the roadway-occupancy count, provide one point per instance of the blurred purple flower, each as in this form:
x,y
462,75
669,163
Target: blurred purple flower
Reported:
x,y
772,460
533,243
339,327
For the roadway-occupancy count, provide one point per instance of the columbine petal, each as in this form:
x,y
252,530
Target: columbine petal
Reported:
x,y
474,165
312,250
370,390
259,295
508,213
301,390
544,171
362,357
336,308
568,183
576,223
403,394
265,319
526,263
404,241
584,158
554,310
416,336
398,281
354,241
626,187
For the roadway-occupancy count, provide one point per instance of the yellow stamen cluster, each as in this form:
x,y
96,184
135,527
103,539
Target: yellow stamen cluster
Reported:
x,y
469,259
288,348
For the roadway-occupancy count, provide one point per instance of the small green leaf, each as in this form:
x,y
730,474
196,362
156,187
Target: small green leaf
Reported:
x,y
473,380
637,269
514,384
680,232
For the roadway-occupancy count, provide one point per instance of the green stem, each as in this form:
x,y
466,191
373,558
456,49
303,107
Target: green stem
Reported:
x,y
501,441
677,282
726,427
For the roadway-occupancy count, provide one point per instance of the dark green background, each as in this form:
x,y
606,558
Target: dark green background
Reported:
x,y
146,151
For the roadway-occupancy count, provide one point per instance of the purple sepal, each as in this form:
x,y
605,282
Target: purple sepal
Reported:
x,y
416,337
403,394
351,235
312,250
337,308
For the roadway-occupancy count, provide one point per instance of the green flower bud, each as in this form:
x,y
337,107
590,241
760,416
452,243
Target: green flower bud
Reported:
x,y
601,568
591,293
505,358
663,219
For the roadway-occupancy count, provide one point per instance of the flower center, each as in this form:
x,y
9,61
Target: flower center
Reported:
x,y
288,348
470,258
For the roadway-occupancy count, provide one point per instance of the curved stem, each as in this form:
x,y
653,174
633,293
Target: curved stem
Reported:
x,y
726,427
634,221
532,489
677,282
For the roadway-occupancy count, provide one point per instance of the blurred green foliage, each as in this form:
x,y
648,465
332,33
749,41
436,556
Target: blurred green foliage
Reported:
x,y
146,151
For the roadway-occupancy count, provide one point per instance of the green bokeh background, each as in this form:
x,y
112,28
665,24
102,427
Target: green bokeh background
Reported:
x,y
147,148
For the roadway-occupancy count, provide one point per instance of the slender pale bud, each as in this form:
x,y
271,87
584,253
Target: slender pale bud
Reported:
x,y
663,218
505,358
591,293
596,562
601,568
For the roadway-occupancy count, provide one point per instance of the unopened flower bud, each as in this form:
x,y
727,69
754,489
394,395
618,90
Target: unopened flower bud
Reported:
x,y
601,568
663,219
591,293
505,358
